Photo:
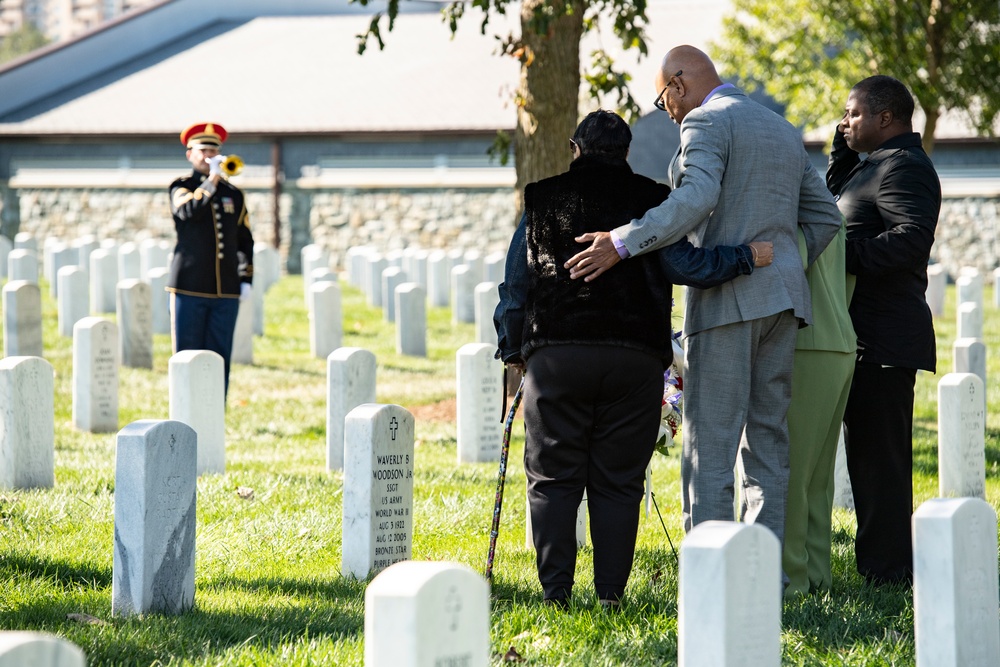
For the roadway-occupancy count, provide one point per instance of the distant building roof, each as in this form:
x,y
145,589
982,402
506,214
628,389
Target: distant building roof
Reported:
x,y
279,67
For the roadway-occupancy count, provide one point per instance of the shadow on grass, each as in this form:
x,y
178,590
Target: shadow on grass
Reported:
x,y
17,566
854,614
280,611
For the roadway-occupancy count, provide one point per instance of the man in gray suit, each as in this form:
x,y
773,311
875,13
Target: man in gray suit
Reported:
x,y
741,173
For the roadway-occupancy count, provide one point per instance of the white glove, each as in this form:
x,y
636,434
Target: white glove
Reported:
x,y
215,165
245,290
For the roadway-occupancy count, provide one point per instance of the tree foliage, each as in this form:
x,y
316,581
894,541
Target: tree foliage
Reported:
x,y
807,54
24,40
548,49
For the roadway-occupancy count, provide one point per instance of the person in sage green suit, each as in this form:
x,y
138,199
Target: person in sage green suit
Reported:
x,y
821,383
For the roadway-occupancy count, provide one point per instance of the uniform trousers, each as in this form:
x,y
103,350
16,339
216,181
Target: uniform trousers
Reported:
x,y
591,416
821,382
205,323
879,444
737,387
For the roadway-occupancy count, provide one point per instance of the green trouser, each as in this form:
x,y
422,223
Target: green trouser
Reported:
x,y
821,382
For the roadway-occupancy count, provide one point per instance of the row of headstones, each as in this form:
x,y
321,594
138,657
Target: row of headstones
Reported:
x,y
729,597
402,284
90,277
27,418
969,348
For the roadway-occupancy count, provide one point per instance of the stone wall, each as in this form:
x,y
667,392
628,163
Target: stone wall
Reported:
x,y
968,232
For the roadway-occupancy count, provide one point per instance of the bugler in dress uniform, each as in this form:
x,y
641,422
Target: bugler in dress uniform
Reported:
x,y
213,260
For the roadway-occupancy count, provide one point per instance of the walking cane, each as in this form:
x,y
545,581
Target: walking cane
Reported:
x,y
501,477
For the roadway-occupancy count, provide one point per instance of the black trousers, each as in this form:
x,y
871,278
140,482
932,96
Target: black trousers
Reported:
x,y
591,415
879,444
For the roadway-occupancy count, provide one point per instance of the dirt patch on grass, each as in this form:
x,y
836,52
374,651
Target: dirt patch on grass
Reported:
x,y
446,411
442,411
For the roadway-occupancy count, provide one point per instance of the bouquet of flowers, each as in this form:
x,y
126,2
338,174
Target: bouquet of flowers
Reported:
x,y
673,394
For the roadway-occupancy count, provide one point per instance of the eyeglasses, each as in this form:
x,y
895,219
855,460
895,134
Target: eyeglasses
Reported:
x,y
573,146
659,98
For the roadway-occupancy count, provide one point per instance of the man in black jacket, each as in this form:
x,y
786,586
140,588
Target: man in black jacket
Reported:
x,y
891,202
212,267
594,352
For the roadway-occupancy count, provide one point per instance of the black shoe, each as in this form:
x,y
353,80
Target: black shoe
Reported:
x,y
610,605
558,603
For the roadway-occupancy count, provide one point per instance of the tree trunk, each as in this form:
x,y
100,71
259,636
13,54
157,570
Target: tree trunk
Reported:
x,y
927,139
548,93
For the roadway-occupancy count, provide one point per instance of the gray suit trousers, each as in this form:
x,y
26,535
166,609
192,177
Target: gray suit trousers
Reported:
x,y
737,387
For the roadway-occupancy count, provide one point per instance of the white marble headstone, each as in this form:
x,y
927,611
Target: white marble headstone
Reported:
x,y
479,391
996,287
95,375
84,246
969,286
198,398
22,264
155,502
350,380
6,246
22,319
729,596
27,423
955,583
961,436
135,324
266,265
375,264
356,265
318,275
257,291
970,357
438,279
427,614
474,260
62,255
418,270
313,257
103,280
74,298
326,323
378,489
159,299
970,320
392,277
243,334
128,262
463,294
411,320
39,649
153,254
486,299
24,240
493,267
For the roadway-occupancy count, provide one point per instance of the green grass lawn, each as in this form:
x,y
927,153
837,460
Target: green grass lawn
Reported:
x,y
268,584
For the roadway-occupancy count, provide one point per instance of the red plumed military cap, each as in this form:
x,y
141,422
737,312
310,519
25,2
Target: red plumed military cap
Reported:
x,y
204,135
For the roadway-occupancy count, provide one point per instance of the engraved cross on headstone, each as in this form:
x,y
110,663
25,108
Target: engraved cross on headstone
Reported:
x,y
393,425
452,606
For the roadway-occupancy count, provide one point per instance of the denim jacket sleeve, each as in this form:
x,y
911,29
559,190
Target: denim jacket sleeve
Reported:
x,y
684,264
509,315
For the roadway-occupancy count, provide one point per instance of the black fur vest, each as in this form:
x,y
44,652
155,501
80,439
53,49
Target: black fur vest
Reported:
x,y
629,305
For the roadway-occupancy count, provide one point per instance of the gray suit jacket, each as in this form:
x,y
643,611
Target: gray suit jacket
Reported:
x,y
741,174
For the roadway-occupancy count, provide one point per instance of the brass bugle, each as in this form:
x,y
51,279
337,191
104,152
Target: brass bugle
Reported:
x,y
232,165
